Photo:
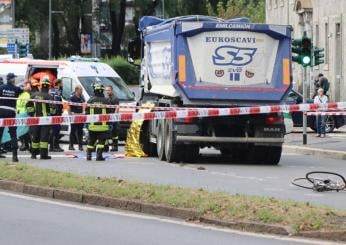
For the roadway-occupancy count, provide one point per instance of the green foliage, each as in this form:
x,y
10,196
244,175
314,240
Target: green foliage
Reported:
x,y
126,71
227,9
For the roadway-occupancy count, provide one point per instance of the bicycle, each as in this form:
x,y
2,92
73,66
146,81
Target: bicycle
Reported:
x,y
321,181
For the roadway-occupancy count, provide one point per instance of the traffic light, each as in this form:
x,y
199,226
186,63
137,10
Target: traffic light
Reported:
x,y
302,51
318,56
22,50
306,54
296,50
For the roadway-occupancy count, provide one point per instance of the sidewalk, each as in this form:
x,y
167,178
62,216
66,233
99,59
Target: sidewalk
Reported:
x,y
333,146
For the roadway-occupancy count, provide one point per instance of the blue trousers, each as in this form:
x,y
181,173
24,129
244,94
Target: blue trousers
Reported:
x,y
321,124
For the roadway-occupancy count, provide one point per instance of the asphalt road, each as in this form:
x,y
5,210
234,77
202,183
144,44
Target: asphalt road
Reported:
x,y
212,174
27,220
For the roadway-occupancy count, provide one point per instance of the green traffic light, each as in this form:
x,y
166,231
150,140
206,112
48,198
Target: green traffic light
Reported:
x,y
306,60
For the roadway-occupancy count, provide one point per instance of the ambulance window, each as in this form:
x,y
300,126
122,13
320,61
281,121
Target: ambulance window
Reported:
x,y
66,88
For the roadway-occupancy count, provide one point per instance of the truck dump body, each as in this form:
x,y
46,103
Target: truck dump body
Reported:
x,y
203,61
215,61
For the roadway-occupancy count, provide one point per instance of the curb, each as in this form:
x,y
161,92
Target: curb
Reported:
x,y
337,236
161,210
136,206
338,155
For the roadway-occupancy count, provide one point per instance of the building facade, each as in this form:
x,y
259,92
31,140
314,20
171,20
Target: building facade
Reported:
x,y
325,23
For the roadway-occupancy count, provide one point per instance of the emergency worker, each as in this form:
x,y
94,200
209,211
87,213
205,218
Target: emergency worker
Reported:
x,y
113,100
56,95
23,99
77,128
98,132
40,133
8,110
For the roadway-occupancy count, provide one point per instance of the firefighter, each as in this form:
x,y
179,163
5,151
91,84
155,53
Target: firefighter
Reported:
x,y
113,100
40,133
97,131
8,110
56,94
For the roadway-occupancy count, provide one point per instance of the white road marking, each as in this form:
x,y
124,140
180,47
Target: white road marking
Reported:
x,y
274,189
164,220
314,195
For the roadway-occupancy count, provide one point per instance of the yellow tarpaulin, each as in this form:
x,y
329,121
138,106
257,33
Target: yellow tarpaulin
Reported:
x,y
133,147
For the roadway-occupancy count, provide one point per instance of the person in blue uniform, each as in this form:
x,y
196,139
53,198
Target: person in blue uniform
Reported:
x,y
8,110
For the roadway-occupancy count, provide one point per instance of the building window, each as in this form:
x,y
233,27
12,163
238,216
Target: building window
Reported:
x,y
326,43
282,3
317,36
269,4
338,29
275,4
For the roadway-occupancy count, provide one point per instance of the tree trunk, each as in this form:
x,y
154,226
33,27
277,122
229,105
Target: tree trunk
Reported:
x,y
118,24
55,38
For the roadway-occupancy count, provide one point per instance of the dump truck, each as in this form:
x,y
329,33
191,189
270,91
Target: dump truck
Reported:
x,y
207,62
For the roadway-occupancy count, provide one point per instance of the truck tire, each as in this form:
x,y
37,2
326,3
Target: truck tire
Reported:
x,y
274,155
330,124
190,153
160,140
267,155
172,149
148,147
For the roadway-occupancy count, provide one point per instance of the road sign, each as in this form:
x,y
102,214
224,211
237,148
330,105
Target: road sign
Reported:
x,y
3,42
12,48
19,35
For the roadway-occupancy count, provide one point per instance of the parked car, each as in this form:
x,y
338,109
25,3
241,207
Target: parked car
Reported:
x,y
332,122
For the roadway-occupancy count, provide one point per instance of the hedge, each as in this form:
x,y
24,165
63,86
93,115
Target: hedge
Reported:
x,y
128,72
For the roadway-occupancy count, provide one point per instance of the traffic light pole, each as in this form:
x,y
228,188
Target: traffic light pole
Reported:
x,y
305,138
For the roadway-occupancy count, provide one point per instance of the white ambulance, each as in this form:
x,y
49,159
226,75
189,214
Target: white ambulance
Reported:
x,y
76,71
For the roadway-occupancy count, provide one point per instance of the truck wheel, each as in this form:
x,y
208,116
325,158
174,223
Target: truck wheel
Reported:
x,y
268,155
191,153
160,140
172,149
330,124
148,147
274,153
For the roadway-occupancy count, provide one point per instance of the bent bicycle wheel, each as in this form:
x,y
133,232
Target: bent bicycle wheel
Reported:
x,y
303,183
331,181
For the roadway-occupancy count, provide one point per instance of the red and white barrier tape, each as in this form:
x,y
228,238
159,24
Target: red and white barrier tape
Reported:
x,y
173,114
327,113
120,106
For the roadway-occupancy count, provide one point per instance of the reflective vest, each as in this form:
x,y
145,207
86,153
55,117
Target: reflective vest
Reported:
x,y
22,101
99,126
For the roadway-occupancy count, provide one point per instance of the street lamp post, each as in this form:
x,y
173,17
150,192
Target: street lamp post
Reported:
x,y
163,8
50,12
50,30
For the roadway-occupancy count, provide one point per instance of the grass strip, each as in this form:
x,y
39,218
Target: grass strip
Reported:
x,y
216,205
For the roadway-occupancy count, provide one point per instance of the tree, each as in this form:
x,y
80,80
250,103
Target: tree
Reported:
x,y
253,9
117,15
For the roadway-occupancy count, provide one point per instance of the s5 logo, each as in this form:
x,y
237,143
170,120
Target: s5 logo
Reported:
x,y
230,55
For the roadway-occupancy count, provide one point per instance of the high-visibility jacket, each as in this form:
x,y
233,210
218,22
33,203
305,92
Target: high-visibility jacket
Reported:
x,y
39,109
99,126
22,101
